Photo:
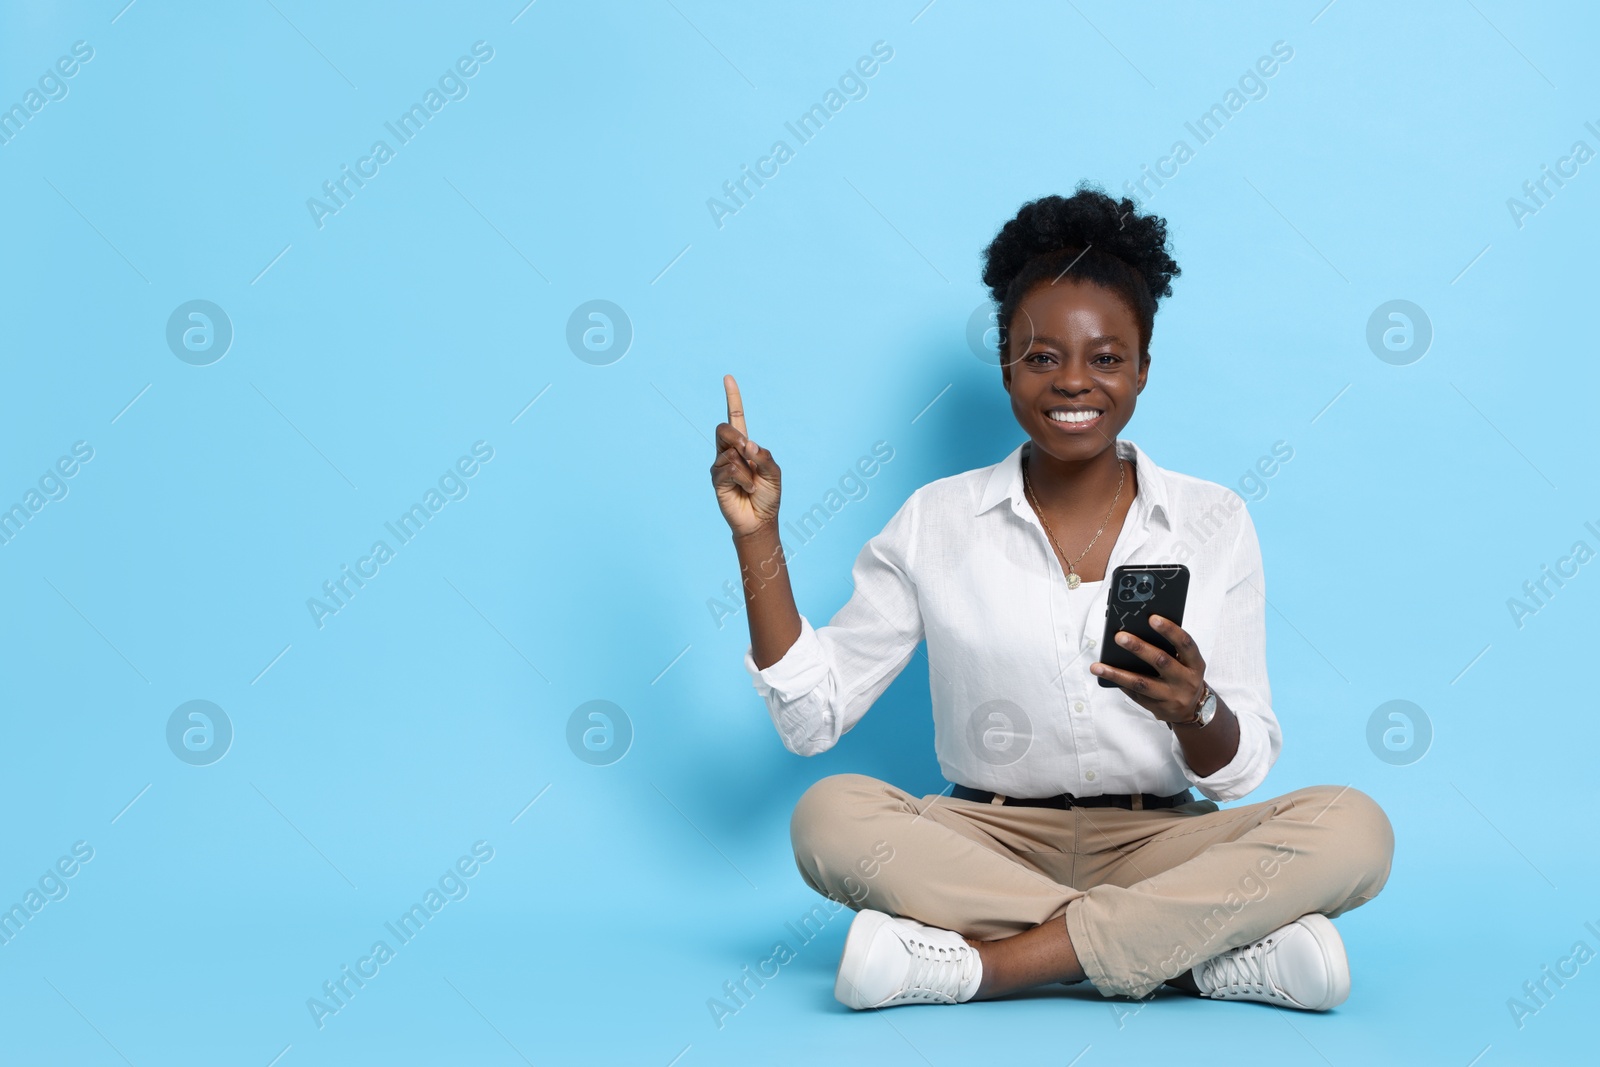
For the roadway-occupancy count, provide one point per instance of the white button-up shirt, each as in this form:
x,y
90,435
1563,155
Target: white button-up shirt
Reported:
x,y
966,564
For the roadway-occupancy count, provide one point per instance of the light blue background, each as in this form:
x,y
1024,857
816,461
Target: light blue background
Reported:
x,y
428,313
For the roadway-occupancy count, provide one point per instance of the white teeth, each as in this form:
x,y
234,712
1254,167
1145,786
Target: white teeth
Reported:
x,y
1073,416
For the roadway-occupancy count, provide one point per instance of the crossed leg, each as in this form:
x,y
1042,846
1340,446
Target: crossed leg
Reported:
x,y
1144,894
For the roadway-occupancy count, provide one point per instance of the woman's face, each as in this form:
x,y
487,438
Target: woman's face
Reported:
x,y
1073,346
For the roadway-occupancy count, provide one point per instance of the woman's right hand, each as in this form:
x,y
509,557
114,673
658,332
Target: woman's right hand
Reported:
x,y
746,479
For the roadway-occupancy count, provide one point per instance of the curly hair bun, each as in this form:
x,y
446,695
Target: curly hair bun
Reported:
x,y
1087,219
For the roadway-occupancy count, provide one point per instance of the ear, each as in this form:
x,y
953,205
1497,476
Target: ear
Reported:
x,y
1144,373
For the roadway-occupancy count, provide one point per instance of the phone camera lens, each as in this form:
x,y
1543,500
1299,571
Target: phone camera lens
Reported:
x,y
1136,587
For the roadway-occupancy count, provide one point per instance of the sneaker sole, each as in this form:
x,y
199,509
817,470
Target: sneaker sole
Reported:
x,y
857,943
1333,955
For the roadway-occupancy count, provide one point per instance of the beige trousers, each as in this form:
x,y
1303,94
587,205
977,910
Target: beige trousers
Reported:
x,y
1145,894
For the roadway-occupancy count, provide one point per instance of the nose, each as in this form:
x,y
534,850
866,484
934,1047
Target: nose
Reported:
x,y
1072,376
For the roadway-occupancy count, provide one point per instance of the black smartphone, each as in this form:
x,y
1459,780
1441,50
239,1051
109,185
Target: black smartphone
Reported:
x,y
1135,594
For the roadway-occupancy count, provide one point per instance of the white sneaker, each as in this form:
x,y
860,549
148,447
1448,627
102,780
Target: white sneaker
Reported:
x,y
889,960
1301,965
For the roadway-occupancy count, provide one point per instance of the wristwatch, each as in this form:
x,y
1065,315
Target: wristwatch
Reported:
x,y
1205,713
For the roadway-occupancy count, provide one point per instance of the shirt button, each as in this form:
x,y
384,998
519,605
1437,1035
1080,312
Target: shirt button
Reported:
x,y
1088,642
1088,776
1077,705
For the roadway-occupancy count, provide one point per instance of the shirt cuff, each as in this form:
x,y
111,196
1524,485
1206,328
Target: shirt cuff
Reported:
x,y
801,669
1238,776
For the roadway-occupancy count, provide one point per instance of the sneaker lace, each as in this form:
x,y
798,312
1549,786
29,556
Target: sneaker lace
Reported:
x,y
1244,970
937,972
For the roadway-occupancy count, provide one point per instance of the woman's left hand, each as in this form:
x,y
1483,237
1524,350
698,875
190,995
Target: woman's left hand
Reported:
x,y
1174,693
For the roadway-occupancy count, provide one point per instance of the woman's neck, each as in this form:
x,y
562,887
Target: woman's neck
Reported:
x,y
1070,486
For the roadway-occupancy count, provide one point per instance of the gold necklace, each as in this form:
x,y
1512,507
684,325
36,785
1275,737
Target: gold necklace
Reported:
x,y
1073,581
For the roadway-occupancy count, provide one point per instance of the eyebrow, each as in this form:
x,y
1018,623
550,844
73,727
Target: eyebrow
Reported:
x,y
1092,341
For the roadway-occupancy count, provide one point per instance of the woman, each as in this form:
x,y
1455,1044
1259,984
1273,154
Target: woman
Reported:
x,y
1069,848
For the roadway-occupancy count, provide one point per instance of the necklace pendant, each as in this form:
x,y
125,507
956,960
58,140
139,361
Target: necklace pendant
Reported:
x,y
1073,581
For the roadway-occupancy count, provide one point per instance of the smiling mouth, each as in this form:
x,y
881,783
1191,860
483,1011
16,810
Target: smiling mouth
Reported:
x,y
1075,419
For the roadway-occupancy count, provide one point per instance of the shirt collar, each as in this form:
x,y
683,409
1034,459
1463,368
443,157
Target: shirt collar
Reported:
x,y
1004,481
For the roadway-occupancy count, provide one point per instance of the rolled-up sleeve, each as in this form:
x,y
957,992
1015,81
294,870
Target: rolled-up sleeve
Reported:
x,y
1237,670
830,677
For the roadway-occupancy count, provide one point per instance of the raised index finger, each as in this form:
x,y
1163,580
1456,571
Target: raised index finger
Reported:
x,y
735,404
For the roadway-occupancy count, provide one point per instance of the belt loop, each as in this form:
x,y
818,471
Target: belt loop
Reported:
x,y
997,799
1138,802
